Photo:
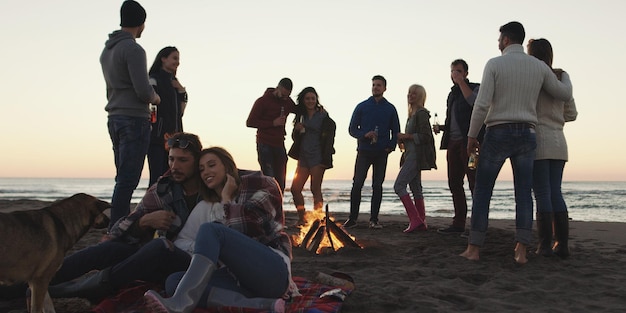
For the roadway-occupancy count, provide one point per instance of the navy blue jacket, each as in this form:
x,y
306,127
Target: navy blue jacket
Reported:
x,y
367,116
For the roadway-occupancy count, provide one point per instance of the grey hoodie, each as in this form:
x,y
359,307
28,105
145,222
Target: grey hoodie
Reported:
x,y
125,71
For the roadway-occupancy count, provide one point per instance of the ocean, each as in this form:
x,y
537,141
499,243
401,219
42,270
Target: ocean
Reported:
x,y
587,201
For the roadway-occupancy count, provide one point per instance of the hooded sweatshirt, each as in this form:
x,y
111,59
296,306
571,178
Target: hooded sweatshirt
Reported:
x,y
125,72
264,111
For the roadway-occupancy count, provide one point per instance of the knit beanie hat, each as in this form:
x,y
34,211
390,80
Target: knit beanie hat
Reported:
x,y
132,14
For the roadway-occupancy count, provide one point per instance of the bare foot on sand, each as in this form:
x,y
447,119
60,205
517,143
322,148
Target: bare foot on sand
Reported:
x,y
520,254
471,253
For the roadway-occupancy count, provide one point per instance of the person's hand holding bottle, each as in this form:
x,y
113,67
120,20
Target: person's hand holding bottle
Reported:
x,y
436,126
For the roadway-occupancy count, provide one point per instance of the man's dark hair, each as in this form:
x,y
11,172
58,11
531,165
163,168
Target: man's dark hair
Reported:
x,y
462,62
186,141
514,31
286,83
380,77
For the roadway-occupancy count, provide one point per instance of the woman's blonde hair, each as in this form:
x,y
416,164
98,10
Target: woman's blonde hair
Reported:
x,y
421,97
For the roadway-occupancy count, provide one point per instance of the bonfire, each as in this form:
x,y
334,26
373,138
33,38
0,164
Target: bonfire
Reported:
x,y
323,236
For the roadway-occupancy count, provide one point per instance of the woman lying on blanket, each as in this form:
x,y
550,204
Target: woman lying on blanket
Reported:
x,y
247,240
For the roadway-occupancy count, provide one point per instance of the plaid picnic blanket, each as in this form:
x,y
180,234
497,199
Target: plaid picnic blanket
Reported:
x,y
130,300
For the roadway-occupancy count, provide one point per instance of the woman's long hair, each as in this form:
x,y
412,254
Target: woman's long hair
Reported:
x,y
211,195
421,98
158,62
301,108
541,49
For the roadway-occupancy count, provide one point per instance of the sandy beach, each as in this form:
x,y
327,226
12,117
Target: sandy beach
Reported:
x,y
422,272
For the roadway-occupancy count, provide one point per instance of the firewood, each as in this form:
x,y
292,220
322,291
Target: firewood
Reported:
x,y
310,233
315,243
341,235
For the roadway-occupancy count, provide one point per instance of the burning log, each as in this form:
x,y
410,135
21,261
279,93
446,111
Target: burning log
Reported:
x,y
317,239
328,222
321,235
310,233
342,236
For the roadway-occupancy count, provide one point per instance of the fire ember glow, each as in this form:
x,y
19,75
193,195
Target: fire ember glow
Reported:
x,y
322,235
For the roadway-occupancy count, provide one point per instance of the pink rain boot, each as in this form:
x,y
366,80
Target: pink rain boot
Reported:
x,y
421,211
414,220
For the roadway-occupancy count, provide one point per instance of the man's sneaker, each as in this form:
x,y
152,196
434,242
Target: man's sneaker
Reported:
x,y
451,230
375,225
349,223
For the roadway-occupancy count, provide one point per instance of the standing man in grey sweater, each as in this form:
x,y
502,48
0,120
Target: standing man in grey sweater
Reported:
x,y
506,104
129,94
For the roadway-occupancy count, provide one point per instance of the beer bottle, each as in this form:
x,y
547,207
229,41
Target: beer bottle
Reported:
x,y
472,162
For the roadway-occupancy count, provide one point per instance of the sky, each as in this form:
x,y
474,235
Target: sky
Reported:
x,y
53,92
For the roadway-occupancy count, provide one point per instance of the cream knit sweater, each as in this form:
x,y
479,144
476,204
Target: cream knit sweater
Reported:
x,y
552,115
510,88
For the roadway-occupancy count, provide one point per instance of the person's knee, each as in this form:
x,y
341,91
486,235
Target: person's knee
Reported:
x,y
110,248
316,190
157,247
296,190
172,282
357,185
399,189
455,187
210,229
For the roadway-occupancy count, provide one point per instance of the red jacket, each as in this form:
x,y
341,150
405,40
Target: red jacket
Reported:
x,y
264,111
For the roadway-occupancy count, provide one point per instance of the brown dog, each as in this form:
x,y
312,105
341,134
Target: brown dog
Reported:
x,y
35,242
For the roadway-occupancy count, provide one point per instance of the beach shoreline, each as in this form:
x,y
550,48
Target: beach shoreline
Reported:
x,y
422,272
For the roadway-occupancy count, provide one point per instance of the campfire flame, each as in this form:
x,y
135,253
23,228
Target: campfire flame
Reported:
x,y
323,232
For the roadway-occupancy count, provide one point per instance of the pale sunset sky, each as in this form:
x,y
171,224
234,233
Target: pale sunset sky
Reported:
x,y
53,93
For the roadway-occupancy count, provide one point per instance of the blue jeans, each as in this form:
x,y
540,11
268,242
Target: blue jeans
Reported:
x,y
251,268
364,159
409,175
130,137
273,162
547,178
516,142
152,262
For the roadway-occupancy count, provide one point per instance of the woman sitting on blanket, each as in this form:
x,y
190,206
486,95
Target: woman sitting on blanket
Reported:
x,y
248,240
